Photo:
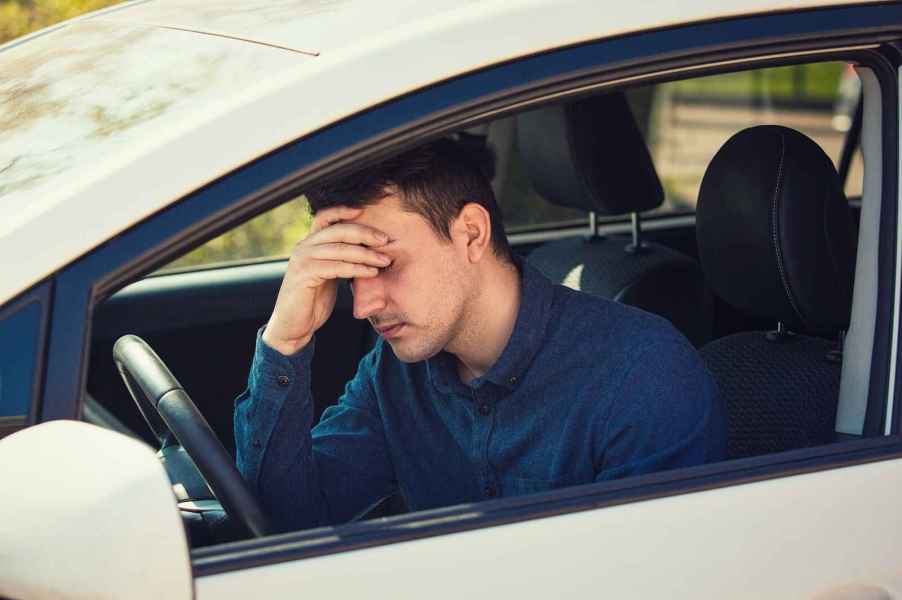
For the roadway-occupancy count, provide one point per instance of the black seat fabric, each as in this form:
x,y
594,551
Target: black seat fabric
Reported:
x,y
779,396
775,240
660,280
590,154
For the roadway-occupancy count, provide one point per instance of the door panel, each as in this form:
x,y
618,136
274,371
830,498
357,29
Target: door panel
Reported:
x,y
794,537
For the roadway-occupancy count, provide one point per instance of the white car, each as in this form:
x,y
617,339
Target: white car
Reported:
x,y
136,134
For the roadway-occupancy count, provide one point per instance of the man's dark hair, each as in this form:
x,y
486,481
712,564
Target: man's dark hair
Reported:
x,y
434,181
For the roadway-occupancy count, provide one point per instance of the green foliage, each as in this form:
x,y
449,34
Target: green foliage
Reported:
x,y
817,82
18,17
272,234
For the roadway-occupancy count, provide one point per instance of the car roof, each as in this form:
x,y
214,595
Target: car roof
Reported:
x,y
110,117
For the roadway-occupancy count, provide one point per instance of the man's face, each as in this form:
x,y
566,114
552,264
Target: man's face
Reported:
x,y
417,303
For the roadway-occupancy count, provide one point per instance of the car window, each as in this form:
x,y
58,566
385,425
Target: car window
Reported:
x,y
686,122
522,207
270,235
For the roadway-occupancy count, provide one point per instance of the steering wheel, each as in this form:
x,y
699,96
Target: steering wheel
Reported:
x,y
174,418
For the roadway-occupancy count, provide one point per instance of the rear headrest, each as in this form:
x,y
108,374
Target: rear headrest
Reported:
x,y
589,154
774,230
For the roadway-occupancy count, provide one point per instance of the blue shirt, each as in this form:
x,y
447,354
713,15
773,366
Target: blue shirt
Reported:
x,y
585,390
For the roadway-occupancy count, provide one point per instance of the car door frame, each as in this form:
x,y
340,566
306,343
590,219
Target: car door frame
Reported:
x,y
13,347
707,47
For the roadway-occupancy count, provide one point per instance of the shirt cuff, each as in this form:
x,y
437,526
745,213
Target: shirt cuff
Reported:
x,y
268,360
273,376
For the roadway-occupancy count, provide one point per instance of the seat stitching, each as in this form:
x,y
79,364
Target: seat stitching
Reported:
x,y
774,231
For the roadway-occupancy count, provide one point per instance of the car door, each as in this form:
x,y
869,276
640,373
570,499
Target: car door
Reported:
x,y
793,537
740,535
811,521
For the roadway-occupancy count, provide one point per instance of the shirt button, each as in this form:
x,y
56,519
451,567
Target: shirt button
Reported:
x,y
490,491
283,380
513,380
256,444
485,409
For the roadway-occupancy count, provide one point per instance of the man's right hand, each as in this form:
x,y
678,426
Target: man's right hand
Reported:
x,y
334,249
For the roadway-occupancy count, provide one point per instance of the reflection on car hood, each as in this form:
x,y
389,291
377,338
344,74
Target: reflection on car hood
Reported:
x,y
95,92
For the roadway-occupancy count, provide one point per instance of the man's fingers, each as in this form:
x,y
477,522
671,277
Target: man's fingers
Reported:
x,y
329,216
349,233
349,253
336,269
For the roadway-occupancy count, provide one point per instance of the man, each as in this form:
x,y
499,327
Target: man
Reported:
x,y
487,380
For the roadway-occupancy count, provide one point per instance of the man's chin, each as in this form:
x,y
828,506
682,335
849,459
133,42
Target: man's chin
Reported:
x,y
407,352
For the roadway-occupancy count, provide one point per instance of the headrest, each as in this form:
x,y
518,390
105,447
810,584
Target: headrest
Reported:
x,y
774,231
589,154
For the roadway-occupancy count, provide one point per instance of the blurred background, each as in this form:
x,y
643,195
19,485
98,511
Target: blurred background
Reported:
x,y
18,17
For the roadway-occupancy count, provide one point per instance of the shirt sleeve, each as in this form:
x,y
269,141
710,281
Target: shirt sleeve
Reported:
x,y
309,476
666,414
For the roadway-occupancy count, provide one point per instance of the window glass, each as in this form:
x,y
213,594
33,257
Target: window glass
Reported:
x,y
522,207
855,179
686,122
270,235
19,338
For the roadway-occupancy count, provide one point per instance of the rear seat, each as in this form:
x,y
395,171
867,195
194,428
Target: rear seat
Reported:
x,y
589,154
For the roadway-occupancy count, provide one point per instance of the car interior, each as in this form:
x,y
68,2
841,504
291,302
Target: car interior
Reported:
x,y
736,217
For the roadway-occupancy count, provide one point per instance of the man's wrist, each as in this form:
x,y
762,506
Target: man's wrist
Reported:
x,y
285,347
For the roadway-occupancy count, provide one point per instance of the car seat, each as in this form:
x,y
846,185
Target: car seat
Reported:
x,y
775,240
589,154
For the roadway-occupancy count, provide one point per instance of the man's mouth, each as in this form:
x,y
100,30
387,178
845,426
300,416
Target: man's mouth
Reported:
x,y
390,331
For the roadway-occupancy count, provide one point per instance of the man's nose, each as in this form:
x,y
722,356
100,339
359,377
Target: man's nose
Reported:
x,y
369,296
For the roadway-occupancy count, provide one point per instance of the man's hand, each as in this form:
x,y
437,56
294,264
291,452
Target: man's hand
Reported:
x,y
334,249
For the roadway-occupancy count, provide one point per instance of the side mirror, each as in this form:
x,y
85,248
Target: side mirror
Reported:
x,y
88,513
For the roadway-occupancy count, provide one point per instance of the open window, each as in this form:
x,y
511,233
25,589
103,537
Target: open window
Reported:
x,y
200,312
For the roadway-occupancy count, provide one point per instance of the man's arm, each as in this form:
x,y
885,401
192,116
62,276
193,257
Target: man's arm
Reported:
x,y
306,479
666,414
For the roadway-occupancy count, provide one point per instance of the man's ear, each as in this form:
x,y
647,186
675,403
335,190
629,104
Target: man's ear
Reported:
x,y
472,231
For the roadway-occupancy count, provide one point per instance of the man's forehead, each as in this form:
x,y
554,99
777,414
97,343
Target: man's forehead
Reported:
x,y
387,214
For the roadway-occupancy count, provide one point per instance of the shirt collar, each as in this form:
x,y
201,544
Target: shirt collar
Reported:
x,y
536,294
